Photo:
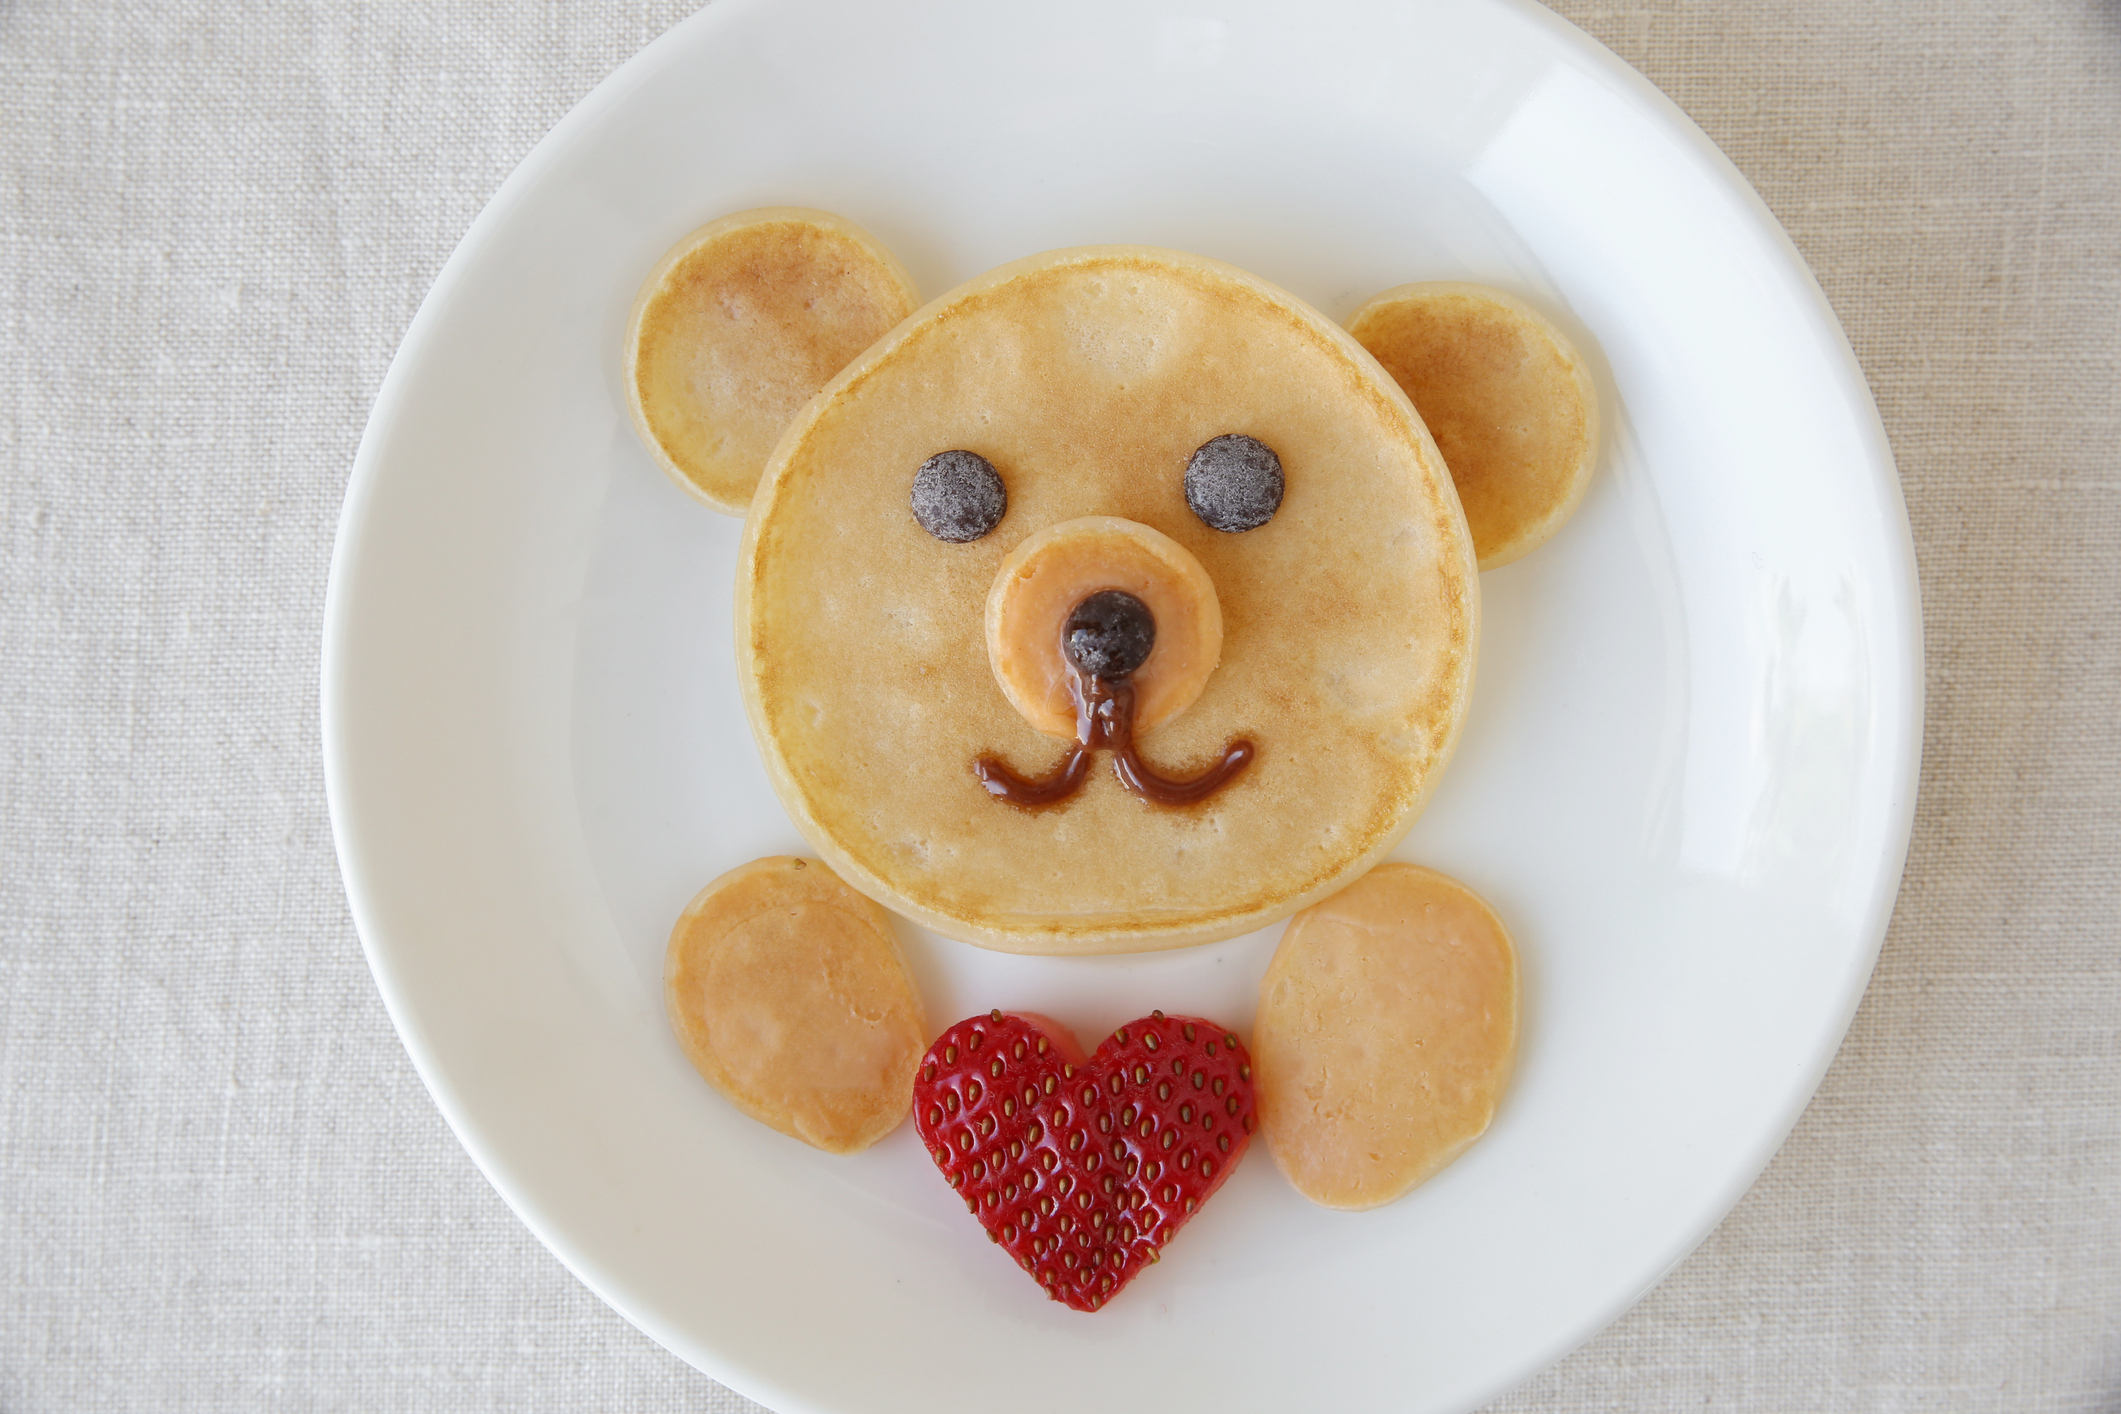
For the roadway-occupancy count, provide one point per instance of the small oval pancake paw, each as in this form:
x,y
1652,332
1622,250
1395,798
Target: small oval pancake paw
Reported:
x,y
789,995
1387,1030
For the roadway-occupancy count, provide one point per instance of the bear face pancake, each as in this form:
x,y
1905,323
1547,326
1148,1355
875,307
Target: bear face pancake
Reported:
x,y
1089,379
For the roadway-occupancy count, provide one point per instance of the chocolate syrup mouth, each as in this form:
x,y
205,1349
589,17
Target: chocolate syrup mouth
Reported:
x,y
1106,637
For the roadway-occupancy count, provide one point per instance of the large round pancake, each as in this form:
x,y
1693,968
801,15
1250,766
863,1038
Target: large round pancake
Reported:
x,y
1088,377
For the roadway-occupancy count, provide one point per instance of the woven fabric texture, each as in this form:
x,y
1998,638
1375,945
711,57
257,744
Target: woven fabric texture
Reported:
x,y
223,1187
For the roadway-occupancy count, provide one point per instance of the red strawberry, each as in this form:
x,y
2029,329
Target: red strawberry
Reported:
x,y
1084,1169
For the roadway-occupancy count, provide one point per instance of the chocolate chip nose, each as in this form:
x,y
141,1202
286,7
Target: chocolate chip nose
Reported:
x,y
1109,635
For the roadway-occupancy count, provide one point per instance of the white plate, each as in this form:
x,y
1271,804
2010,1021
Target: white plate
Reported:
x,y
1686,780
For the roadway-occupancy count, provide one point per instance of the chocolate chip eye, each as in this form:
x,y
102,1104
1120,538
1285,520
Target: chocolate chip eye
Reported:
x,y
1109,634
958,496
1234,482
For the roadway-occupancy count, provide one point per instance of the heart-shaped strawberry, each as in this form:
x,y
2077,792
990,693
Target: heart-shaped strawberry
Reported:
x,y
1084,1168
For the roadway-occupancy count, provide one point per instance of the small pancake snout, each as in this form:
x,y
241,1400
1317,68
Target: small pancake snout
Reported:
x,y
1048,577
1118,621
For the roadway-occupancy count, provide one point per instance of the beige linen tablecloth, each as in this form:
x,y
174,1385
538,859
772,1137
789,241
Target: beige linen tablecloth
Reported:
x,y
221,1185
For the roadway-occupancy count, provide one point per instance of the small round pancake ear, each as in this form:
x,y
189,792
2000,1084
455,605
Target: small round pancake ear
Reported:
x,y
1507,398
738,326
